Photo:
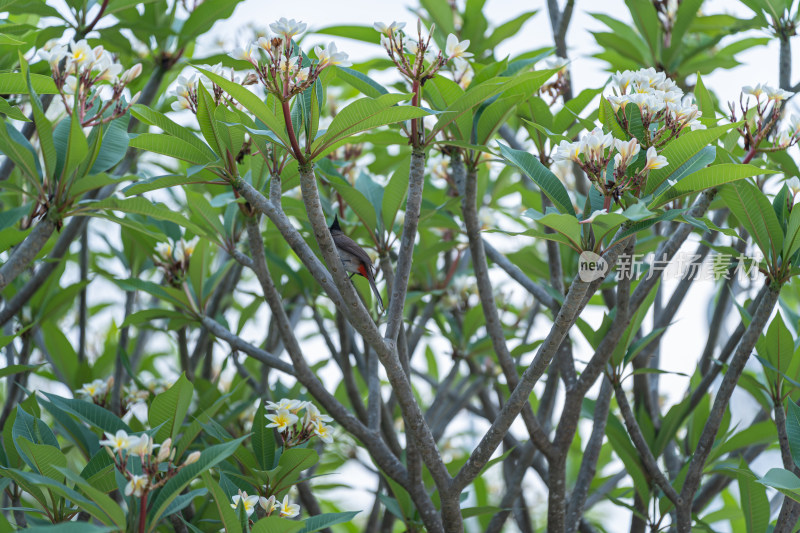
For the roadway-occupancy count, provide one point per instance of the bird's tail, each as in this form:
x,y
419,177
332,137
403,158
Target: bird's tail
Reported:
x,y
371,280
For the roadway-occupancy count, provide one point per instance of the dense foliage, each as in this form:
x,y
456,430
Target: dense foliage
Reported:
x,y
186,349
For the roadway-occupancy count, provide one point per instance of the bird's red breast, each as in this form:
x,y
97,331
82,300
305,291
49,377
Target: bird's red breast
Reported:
x,y
363,270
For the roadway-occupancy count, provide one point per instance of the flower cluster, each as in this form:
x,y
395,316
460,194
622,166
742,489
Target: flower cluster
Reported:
x,y
269,505
424,63
173,258
157,468
762,122
660,101
593,154
667,11
559,85
280,66
185,88
80,71
293,428
97,390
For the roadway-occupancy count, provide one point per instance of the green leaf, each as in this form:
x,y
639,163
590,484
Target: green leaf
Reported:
x,y
16,83
17,148
324,520
203,16
704,101
365,114
44,128
16,369
360,82
44,458
706,178
13,112
209,458
395,193
141,206
227,515
564,224
161,121
756,214
252,103
169,409
77,148
172,146
112,510
88,412
482,92
276,524
157,182
784,481
71,527
792,242
367,34
755,504
550,185
114,145
680,150
291,463
263,439
793,430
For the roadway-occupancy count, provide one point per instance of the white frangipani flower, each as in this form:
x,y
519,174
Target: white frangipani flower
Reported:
x,y
96,388
247,502
394,27
265,43
628,150
288,28
455,48
70,85
756,91
567,151
80,54
282,420
142,446
268,504
53,55
654,161
184,249
323,432
289,510
794,125
118,441
164,249
136,486
596,142
285,403
331,56
244,53
777,94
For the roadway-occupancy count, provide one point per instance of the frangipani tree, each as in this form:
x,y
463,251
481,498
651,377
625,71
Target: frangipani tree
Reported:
x,y
215,177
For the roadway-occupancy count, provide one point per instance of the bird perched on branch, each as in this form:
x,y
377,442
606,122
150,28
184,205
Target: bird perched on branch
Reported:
x,y
354,258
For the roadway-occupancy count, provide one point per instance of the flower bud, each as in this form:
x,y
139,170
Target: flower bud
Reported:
x,y
131,74
164,452
136,97
193,458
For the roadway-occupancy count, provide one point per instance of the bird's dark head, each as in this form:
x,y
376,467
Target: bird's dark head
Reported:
x,y
335,225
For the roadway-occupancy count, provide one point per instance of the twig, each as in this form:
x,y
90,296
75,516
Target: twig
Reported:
x,y
642,447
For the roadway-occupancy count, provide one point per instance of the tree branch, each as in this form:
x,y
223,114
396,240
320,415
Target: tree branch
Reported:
x,y
704,445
